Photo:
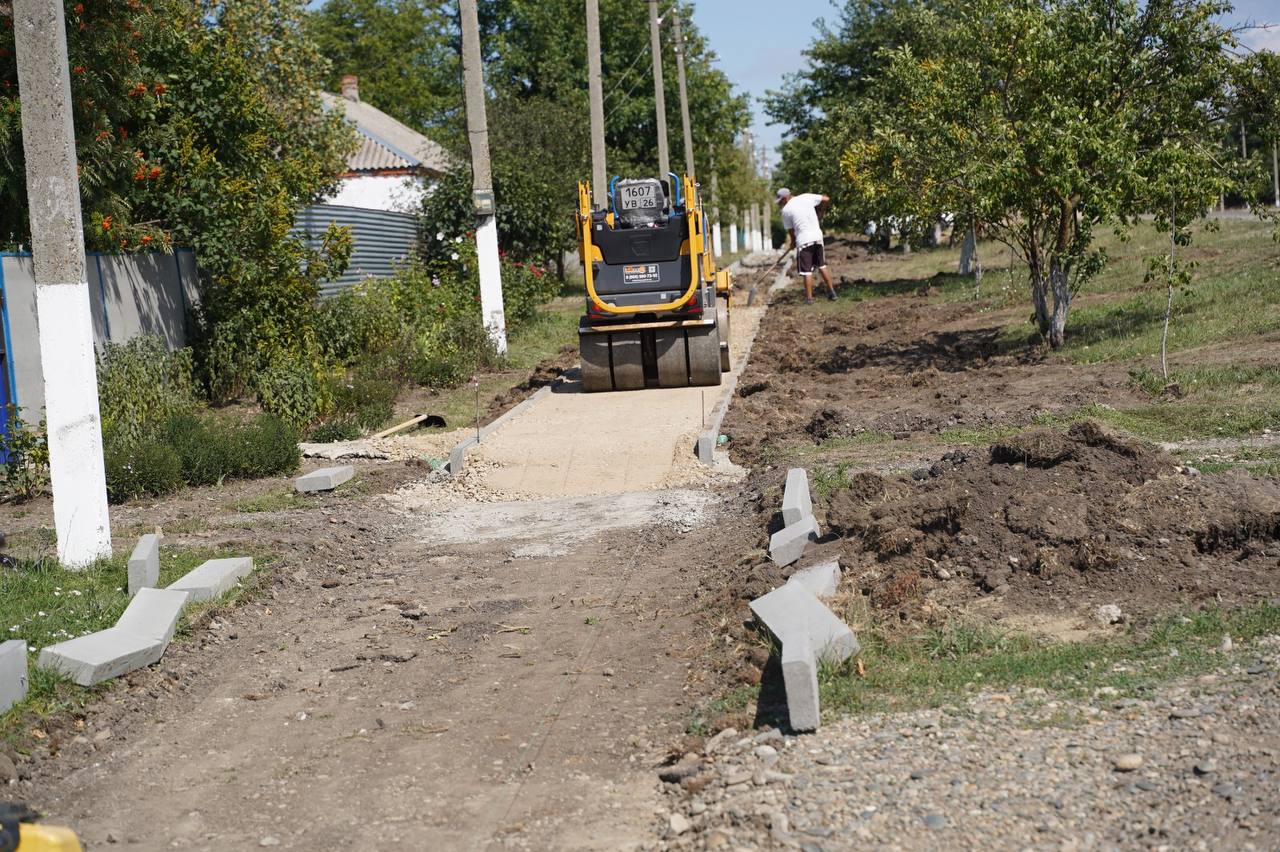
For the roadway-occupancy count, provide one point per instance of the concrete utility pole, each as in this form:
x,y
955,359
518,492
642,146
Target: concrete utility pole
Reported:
x,y
660,103
715,211
733,235
684,95
482,180
76,469
599,177
1275,174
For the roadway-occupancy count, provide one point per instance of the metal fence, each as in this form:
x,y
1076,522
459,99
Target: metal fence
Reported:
x,y
129,295
381,240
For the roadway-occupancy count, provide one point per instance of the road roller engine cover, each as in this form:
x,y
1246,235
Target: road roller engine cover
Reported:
x,y
657,307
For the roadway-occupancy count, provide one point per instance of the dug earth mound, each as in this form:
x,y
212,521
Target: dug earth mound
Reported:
x,y
1057,523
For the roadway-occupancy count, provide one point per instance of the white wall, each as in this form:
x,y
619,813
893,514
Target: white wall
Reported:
x,y
397,193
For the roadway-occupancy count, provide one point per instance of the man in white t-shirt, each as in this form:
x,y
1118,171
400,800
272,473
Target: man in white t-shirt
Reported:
x,y
800,220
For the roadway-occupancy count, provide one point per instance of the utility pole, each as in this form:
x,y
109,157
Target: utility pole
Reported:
x,y
660,103
733,233
482,180
1275,174
599,177
715,210
76,470
684,95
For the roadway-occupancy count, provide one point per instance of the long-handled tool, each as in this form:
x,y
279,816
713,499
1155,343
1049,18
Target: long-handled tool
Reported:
x,y
751,293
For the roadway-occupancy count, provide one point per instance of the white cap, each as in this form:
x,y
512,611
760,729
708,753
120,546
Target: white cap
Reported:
x,y
783,193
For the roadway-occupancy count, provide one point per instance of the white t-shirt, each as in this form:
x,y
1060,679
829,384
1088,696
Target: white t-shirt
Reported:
x,y
801,214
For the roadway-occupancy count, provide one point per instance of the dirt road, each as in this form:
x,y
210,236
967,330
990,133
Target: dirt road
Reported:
x,y
428,670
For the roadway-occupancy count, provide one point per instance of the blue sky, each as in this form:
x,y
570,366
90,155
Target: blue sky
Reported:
x,y
758,41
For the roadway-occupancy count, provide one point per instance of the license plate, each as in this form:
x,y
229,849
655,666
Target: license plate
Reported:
x,y
640,197
643,274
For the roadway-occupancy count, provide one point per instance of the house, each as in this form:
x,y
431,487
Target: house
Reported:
x,y
381,191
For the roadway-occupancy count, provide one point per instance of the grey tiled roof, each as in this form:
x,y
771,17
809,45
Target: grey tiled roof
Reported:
x,y
386,143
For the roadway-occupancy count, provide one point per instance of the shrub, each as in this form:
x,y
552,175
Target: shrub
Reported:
x,y
24,472
148,467
290,390
214,449
368,396
342,429
360,320
141,384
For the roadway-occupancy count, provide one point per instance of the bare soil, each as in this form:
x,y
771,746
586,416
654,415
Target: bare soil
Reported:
x,y
1044,524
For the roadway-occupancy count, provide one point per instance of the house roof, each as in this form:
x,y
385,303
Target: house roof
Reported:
x,y
387,144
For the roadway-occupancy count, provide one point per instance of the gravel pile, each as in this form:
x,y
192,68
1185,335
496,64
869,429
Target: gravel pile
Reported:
x,y
1194,765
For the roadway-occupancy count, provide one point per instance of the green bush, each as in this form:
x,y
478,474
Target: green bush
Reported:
x,y
359,320
369,397
141,384
25,471
214,449
148,467
342,429
290,390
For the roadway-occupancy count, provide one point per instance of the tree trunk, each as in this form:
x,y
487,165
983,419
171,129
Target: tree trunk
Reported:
x,y
967,251
560,266
1061,303
1040,298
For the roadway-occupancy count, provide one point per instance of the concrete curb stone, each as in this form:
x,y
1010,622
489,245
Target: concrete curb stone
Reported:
x,y
324,479
213,578
796,501
787,544
800,679
100,656
791,609
821,580
154,613
13,673
144,564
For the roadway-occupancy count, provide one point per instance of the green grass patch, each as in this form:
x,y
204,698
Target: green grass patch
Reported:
x,y
536,340
1262,461
705,716
947,665
1176,420
275,500
44,603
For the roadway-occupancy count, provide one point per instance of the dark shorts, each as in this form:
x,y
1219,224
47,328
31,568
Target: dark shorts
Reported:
x,y
809,258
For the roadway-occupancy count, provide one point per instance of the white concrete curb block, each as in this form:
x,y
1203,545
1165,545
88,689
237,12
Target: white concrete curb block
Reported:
x,y
788,544
796,502
791,609
144,564
214,578
154,613
324,479
100,656
800,679
13,673
820,580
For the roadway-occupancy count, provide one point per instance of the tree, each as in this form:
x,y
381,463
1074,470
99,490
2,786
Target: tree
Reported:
x,y
405,53
198,123
1048,119
535,193
820,105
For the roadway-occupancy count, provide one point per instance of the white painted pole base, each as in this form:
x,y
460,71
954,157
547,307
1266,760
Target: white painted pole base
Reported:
x,y
495,320
75,431
715,240
733,238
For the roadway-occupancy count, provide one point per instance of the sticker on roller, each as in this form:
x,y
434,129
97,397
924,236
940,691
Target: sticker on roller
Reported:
x,y
645,273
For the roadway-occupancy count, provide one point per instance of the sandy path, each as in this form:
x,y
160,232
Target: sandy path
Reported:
x,y
573,444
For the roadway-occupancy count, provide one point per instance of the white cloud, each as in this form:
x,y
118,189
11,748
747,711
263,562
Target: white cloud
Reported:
x,y
1262,39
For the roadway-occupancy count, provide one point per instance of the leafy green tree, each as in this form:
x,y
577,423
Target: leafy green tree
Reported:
x,y
819,105
1048,120
405,53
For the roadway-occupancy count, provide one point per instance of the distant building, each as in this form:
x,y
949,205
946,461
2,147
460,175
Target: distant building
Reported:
x,y
381,192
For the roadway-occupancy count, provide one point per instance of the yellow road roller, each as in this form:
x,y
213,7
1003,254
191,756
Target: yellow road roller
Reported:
x,y
657,307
